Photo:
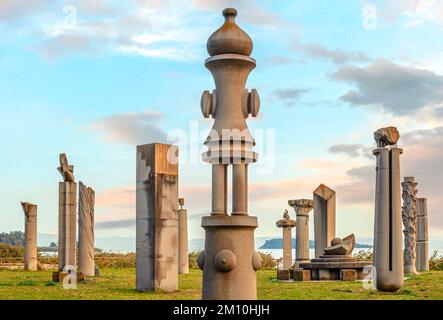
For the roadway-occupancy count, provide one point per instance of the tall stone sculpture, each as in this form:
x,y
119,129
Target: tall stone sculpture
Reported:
x,y
183,255
409,212
286,224
86,231
67,218
388,258
229,262
30,254
157,218
302,208
422,258
324,218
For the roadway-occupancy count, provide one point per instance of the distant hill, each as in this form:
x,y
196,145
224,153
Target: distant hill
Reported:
x,y
278,244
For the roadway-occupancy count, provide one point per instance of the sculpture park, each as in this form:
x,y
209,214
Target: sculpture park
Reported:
x,y
243,171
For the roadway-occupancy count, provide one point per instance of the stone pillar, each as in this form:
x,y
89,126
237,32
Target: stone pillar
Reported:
x,y
183,254
388,257
286,224
324,218
30,255
422,244
86,231
229,261
409,212
157,217
67,216
302,208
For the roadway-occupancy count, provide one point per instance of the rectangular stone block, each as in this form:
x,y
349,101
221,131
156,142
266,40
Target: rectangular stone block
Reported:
x,y
323,274
302,275
283,275
348,275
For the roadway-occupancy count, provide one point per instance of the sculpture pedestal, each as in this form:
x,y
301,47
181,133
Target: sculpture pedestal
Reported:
x,y
229,261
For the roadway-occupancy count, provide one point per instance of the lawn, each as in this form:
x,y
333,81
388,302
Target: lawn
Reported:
x,y
120,283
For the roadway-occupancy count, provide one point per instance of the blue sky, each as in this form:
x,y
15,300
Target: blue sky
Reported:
x,y
93,79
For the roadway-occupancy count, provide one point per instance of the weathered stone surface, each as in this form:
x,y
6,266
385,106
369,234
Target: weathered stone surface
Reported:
x,y
348,274
340,246
157,218
388,255
67,216
422,244
386,136
86,231
183,255
283,274
409,212
30,254
286,224
302,208
324,218
229,143
302,275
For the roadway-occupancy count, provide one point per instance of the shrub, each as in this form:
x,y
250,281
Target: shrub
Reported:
x,y
10,251
436,261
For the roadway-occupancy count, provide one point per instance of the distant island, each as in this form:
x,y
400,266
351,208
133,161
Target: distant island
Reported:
x,y
278,244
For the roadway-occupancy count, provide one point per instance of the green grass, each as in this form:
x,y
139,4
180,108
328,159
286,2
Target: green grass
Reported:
x,y
120,284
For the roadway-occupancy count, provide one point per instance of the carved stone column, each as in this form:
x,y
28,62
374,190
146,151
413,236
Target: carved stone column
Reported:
x,y
86,231
157,218
422,258
302,208
388,258
229,261
30,254
409,213
183,254
286,224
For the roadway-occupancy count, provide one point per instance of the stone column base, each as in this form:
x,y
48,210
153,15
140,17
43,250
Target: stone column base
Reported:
x,y
348,275
283,275
302,275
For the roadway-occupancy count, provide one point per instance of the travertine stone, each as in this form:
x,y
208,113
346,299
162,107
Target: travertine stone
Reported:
x,y
302,208
286,224
86,231
386,137
67,218
348,275
229,261
341,247
183,255
388,251
157,218
302,275
409,212
30,254
422,244
283,274
324,218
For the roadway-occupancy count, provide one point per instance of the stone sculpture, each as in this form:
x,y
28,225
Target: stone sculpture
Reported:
x,y
324,218
30,254
422,243
67,218
183,254
388,258
409,212
340,246
157,217
337,263
229,261
286,224
86,231
302,208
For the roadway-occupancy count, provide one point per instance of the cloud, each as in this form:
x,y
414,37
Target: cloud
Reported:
x,y
248,10
115,224
352,150
18,9
399,89
278,61
337,56
134,128
289,96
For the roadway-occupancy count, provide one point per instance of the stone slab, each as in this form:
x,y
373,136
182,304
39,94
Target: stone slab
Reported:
x,y
283,275
302,275
348,275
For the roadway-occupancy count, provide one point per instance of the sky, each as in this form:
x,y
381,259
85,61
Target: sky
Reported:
x,y
94,79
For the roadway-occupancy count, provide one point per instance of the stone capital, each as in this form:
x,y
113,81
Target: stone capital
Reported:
x,y
302,207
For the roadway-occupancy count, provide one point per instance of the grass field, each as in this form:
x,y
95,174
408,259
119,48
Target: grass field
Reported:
x,y
120,283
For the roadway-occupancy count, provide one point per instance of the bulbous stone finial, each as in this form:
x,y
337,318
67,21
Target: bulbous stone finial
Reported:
x,y
229,38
